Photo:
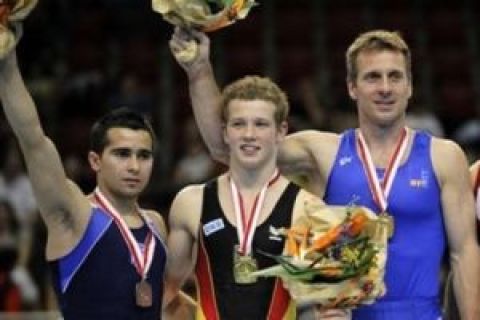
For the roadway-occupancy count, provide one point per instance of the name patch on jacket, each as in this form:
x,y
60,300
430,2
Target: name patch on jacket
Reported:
x,y
213,226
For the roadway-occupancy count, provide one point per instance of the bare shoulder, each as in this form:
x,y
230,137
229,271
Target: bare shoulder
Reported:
x,y
474,167
308,152
186,208
190,194
444,149
448,158
158,221
313,138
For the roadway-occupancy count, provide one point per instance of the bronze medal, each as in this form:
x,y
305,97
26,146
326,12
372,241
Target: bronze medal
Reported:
x,y
243,266
143,294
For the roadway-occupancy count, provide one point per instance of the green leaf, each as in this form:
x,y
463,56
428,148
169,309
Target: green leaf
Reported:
x,y
221,3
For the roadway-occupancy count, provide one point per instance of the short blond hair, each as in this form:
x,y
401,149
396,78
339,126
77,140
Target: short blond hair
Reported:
x,y
377,40
256,88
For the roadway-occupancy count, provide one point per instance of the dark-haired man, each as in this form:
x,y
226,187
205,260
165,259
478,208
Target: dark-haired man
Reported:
x,y
107,253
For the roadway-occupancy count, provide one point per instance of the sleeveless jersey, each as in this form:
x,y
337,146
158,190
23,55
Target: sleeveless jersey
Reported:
x,y
97,279
219,297
418,245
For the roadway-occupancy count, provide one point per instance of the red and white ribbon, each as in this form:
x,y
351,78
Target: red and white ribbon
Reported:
x,y
142,260
246,229
380,191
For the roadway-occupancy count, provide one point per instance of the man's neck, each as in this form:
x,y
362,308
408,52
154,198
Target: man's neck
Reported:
x,y
382,143
251,179
124,205
378,136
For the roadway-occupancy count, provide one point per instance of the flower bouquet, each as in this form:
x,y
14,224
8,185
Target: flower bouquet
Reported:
x,y
12,12
334,257
205,15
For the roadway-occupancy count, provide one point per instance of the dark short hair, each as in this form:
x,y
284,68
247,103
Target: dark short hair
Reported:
x,y
118,118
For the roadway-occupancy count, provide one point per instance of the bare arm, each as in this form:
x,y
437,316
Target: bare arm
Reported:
x,y
182,307
182,239
307,158
204,92
474,172
57,198
158,222
459,216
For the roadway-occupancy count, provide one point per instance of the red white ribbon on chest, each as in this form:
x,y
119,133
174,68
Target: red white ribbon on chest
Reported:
x,y
246,228
381,190
142,259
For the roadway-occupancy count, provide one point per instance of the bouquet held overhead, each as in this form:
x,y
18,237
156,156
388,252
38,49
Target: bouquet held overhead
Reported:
x,y
203,15
12,12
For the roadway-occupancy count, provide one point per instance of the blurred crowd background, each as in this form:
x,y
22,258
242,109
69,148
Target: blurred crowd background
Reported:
x,y
82,58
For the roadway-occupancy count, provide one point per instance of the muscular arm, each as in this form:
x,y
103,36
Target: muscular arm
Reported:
x,y
204,92
181,307
307,158
459,216
182,240
57,198
302,155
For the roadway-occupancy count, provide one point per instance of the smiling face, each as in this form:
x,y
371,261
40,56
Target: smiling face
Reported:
x,y
124,166
381,88
252,134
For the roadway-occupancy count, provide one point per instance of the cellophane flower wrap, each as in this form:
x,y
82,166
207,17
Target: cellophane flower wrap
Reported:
x,y
12,12
205,15
334,257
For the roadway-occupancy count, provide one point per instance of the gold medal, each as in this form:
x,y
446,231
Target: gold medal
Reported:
x,y
143,294
381,190
243,262
243,266
386,221
380,229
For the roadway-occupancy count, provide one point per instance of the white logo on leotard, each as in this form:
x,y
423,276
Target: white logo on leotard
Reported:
x,y
213,226
345,160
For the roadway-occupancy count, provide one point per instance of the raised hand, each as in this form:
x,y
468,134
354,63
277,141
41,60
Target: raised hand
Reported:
x,y
191,49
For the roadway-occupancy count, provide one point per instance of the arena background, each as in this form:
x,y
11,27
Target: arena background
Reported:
x,y
81,58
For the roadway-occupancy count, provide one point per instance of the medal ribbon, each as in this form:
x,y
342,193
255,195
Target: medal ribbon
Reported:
x,y
246,229
380,191
141,261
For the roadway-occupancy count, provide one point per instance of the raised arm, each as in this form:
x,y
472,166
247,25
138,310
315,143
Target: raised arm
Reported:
x,y
307,158
459,216
204,92
57,198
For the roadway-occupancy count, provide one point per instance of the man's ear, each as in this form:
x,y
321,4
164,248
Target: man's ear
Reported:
x,y
94,161
282,130
352,92
224,133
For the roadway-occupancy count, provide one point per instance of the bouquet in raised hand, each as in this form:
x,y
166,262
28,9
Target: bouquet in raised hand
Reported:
x,y
205,15
334,257
202,15
12,12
